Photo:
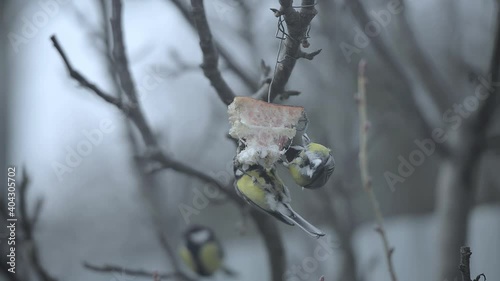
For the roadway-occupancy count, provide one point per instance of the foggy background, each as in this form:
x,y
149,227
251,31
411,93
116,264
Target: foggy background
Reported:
x,y
101,209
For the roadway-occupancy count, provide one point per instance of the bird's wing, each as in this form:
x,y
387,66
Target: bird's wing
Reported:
x,y
272,213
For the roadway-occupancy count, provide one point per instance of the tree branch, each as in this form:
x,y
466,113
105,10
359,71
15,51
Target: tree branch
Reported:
x,y
309,56
210,55
82,80
247,79
297,23
107,53
132,272
23,209
28,229
36,213
464,267
119,55
364,126
182,168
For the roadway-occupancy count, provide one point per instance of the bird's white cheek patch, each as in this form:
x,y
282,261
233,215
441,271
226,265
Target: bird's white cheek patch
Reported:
x,y
200,236
316,162
308,171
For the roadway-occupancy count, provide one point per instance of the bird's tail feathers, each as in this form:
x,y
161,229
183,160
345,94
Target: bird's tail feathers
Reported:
x,y
302,223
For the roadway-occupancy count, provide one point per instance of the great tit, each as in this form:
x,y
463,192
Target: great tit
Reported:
x,y
263,188
201,251
310,164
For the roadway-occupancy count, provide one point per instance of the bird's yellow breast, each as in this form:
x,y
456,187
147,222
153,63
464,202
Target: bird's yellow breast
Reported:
x,y
210,257
297,175
252,190
296,165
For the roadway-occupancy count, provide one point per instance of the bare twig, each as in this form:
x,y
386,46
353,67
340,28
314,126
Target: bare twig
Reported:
x,y
27,226
265,71
297,23
36,213
82,80
23,209
119,56
309,56
127,271
479,277
210,54
364,126
107,53
189,170
247,79
464,267
287,94
126,81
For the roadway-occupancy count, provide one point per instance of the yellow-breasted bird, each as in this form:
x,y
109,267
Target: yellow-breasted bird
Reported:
x,y
202,252
264,189
310,164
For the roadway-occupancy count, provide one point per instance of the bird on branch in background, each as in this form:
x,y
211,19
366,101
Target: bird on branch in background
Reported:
x,y
202,252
